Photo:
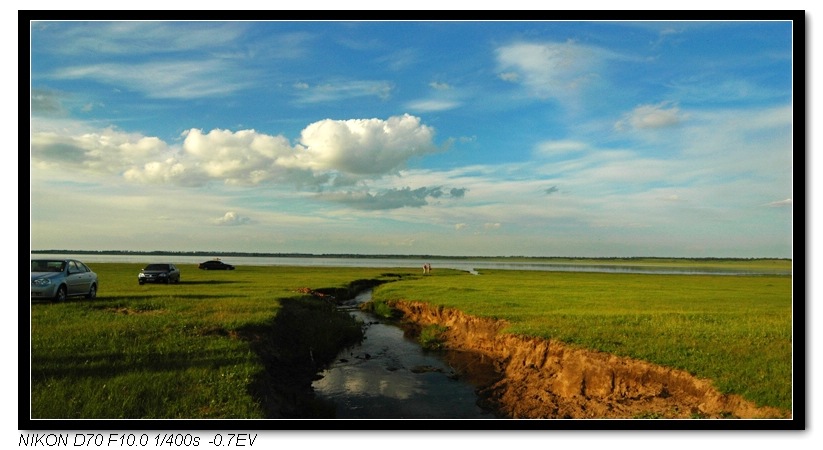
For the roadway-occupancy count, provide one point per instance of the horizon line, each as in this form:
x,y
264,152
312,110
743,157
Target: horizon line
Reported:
x,y
385,255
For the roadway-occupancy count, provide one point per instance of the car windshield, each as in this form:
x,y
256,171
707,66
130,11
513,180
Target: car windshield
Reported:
x,y
47,265
157,267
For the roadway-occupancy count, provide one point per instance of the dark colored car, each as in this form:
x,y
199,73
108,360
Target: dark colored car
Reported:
x,y
215,264
59,279
159,273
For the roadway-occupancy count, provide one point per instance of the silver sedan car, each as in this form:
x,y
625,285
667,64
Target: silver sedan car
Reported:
x,y
59,279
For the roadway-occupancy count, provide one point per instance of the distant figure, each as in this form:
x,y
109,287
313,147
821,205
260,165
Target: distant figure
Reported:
x,y
427,268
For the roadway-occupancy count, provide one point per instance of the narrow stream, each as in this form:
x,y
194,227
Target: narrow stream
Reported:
x,y
390,376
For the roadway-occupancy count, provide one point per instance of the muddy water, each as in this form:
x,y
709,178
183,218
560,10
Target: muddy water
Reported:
x,y
389,376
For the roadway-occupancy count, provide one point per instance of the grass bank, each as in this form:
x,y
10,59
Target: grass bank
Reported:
x,y
233,344
734,330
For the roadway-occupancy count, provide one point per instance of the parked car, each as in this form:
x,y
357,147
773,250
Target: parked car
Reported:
x,y
59,279
159,273
215,264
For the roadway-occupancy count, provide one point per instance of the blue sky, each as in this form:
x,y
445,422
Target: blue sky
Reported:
x,y
534,138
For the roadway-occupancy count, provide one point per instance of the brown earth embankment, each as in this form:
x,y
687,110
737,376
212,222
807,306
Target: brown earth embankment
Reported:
x,y
539,378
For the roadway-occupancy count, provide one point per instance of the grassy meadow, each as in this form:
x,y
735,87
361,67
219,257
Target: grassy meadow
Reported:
x,y
735,330
220,344
235,344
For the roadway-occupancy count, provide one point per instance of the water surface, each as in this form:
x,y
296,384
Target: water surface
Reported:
x,y
465,264
389,376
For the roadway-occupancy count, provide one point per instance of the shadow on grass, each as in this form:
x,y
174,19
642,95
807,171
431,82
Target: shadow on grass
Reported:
x,y
104,299
191,283
303,339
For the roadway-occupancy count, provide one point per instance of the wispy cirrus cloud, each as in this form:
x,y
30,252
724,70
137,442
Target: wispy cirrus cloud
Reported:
x,y
442,98
556,148
661,115
780,203
551,70
341,90
432,105
138,37
165,80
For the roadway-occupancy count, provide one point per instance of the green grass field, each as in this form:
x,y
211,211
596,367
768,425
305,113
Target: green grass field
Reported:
x,y
735,330
225,344
203,348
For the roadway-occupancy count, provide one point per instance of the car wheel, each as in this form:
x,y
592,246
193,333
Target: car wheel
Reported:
x,y
61,294
92,292
140,282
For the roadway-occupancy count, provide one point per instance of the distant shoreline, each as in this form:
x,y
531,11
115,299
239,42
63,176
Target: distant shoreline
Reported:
x,y
394,256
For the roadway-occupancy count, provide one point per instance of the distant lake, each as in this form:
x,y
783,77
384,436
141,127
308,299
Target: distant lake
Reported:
x,y
465,264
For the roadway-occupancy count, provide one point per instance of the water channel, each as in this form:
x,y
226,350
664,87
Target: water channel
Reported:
x,y
390,376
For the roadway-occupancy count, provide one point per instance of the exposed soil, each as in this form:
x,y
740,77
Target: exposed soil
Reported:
x,y
539,378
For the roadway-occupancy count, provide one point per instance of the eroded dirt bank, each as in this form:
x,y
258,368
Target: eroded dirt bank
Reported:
x,y
545,379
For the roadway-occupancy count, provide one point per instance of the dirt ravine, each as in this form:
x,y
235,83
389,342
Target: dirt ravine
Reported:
x,y
542,378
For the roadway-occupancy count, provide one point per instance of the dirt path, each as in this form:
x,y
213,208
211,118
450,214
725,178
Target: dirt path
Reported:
x,y
545,379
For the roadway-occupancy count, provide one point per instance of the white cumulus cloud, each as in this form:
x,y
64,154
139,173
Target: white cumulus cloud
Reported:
x,y
231,218
330,149
364,146
331,155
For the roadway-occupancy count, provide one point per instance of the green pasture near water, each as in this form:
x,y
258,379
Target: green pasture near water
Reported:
x,y
734,330
187,350
216,344
701,264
